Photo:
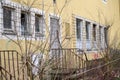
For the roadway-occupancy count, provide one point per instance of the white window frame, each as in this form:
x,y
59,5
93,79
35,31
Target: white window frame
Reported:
x,y
40,32
88,41
28,16
15,6
79,41
42,13
90,35
12,19
81,25
9,31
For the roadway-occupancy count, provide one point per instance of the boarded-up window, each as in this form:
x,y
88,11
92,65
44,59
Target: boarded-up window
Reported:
x,y
79,28
7,18
94,32
54,32
67,29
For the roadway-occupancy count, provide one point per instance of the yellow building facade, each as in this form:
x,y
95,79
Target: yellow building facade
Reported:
x,y
55,37
79,24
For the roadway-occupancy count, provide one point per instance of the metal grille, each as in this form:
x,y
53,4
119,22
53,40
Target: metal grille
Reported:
x,y
9,65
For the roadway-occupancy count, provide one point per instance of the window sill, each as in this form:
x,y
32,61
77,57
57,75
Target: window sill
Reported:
x,y
38,34
26,34
8,32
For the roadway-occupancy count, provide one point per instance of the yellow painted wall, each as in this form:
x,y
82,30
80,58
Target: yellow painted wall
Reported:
x,y
96,10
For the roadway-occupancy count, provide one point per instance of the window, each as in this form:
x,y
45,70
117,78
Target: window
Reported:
x,y
105,36
54,32
78,28
91,33
105,1
37,60
67,29
79,23
100,34
24,23
94,32
87,30
39,25
8,21
7,17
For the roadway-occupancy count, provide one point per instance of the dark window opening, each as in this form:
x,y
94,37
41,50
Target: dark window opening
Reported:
x,y
105,32
100,34
94,32
23,23
37,23
87,30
